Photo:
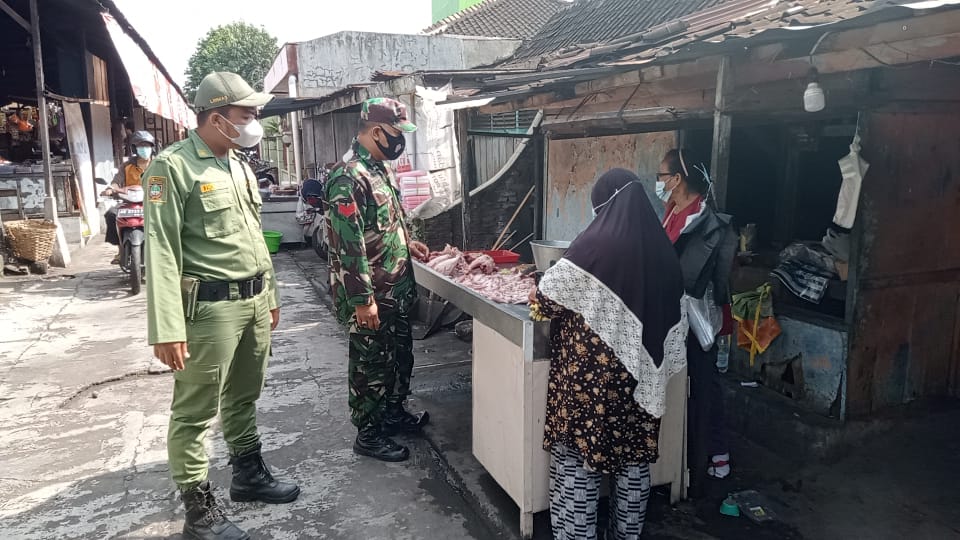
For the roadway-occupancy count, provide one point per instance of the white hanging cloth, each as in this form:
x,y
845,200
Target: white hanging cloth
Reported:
x,y
853,168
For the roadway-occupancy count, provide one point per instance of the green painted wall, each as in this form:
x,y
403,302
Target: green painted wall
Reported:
x,y
445,8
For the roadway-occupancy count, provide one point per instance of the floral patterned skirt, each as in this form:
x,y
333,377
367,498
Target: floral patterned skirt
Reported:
x,y
590,405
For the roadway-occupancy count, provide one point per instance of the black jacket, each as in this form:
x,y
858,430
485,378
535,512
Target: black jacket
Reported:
x,y
706,249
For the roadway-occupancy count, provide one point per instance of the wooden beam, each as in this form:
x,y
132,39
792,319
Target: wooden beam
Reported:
x,y
924,26
461,123
722,125
892,43
14,15
618,122
397,87
535,101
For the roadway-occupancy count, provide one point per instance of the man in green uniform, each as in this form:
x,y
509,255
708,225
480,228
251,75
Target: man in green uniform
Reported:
x,y
212,300
372,280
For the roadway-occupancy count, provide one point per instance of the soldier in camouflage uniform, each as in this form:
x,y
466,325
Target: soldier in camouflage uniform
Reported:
x,y
372,279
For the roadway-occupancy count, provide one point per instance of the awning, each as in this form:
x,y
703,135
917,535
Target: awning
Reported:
x,y
150,86
284,105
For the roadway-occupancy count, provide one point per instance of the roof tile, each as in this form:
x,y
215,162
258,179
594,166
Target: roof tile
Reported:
x,y
514,19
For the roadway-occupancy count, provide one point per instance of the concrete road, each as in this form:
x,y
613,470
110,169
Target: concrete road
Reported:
x,y
83,416
84,407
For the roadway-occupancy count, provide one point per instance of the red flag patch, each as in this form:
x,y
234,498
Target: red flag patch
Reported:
x,y
347,209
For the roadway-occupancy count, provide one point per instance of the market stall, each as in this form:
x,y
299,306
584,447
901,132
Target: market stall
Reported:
x,y
510,372
22,179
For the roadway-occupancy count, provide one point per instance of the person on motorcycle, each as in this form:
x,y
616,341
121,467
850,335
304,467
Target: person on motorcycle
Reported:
x,y
143,145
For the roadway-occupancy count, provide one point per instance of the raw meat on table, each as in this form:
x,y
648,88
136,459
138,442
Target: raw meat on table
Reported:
x,y
509,287
482,262
478,271
447,262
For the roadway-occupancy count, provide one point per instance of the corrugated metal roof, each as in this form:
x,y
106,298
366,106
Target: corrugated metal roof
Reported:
x,y
731,20
514,19
746,22
602,21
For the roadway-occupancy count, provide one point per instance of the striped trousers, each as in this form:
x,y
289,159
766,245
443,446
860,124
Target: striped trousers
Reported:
x,y
575,495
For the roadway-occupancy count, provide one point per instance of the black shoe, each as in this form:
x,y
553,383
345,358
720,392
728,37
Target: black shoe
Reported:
x,y
372,443
205,517
252,481
397,420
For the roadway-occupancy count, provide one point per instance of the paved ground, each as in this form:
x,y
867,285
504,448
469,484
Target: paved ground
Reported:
x,y
83,410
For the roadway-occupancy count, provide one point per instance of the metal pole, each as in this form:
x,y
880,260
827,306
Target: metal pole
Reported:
x,y
50,202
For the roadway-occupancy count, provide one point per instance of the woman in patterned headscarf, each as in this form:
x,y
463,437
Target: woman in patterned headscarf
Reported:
x,y
618,334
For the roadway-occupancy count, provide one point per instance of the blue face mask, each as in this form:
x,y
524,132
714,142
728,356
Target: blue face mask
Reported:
x,y
144,152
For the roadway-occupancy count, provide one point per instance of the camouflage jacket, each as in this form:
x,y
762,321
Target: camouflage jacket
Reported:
x,y
367,238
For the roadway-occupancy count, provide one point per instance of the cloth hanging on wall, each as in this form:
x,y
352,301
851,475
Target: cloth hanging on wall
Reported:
x,y
853,168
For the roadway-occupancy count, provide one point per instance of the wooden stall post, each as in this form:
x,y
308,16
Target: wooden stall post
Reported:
x,y
61,253
462,121
722,124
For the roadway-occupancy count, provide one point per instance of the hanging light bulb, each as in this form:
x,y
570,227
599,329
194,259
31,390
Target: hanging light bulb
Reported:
x,y
813,98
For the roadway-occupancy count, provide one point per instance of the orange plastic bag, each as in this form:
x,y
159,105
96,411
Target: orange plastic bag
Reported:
x,y
747,336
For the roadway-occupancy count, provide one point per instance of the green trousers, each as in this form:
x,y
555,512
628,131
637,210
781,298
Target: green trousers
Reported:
x,y
380,368
229,343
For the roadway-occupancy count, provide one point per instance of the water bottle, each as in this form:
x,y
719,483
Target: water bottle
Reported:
x,y
723,353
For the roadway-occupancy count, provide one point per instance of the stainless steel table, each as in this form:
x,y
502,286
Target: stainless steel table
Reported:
x,y
510,373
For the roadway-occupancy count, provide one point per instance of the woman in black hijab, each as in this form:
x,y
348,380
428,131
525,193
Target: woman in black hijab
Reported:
x,y
618,334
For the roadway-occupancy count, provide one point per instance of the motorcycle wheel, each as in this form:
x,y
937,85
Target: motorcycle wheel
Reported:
x,y
320,242
136,270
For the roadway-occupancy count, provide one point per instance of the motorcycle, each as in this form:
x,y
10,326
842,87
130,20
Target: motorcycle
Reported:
x,y
130,232
313,215
264,170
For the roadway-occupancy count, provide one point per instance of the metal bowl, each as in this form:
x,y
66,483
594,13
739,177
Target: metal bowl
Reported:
x,y
546,253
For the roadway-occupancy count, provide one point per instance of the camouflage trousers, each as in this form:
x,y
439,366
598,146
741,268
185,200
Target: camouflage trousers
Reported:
x,y
380,368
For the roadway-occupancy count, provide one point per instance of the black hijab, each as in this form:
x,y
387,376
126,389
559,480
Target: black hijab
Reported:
x,y
626,249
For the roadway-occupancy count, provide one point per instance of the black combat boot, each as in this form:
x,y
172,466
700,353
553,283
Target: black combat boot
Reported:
x,y
252,481
205,517
371,442
397,420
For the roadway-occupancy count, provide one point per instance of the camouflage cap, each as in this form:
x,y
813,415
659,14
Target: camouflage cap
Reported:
x,y
387,111
222,88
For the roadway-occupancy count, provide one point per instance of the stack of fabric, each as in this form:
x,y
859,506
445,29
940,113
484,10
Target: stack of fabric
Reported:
x,y
806,270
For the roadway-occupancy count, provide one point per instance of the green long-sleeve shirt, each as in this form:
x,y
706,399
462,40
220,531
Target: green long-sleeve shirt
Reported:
x,y
367,237
202,219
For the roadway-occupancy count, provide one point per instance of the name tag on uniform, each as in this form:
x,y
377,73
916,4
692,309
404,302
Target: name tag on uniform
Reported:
x,y
207,188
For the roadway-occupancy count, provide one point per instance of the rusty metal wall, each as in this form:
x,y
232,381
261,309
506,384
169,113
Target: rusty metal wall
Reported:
x,y
574,164
905,341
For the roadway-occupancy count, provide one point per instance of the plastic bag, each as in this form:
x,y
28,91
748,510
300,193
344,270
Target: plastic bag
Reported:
x,y
705,318
853,168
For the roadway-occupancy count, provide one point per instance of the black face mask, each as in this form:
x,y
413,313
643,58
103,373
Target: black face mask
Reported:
x,y
394,147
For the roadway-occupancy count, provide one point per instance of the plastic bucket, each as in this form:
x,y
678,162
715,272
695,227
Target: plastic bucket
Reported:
x,y
272,238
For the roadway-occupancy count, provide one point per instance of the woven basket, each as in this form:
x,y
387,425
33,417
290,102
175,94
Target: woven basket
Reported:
x,y
31,240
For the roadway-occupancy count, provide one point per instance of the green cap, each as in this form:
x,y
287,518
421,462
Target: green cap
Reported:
x,y
222,88
387,111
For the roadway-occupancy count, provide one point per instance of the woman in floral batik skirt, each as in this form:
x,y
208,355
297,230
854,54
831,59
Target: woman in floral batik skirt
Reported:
x,y
617,336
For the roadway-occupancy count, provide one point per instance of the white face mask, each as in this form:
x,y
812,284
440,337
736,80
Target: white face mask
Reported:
x,y
615,193
250,134
662,192
144,152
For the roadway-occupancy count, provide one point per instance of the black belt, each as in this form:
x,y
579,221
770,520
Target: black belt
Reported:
x,y
215,291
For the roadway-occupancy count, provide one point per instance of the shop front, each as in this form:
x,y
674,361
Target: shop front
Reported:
x,y
862,284
99,83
